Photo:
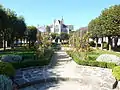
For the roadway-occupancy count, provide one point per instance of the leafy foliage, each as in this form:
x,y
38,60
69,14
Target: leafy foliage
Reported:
x,y
116,72
64,36
48,29
53,35
106,25
11,26
6,69
90,62
5,83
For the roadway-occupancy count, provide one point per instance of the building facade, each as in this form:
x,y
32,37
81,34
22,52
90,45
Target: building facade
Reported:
x,y
58,26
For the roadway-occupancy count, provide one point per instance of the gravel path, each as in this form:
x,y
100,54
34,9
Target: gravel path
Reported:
x,y
65,74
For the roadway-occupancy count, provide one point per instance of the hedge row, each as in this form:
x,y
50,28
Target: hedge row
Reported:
x,y
30,63
91,62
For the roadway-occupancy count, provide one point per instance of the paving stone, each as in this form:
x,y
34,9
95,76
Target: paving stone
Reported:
x,y
89,78
29,88
27,75
19,76
21,81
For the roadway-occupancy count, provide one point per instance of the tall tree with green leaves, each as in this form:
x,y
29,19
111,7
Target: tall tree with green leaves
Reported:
x,y
48,29
64,36
31,34
3,25
111,23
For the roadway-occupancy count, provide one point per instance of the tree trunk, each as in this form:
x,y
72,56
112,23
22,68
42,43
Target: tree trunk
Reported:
x,y
109,46
29,43
96,39
115,84
16,41
4,43
12,41
102,43
115,42
21,41
73,41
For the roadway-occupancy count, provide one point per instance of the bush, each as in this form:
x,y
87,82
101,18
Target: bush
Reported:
x,y
83,62
93,63
116,72
11,58
39,62
91,43
31,63
7,69
5,83
104,45
111,65
102,64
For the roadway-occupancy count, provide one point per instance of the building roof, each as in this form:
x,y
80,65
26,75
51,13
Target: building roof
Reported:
x,y
84,28
64,26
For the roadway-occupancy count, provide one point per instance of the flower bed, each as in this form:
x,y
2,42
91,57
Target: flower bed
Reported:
x,y
75,57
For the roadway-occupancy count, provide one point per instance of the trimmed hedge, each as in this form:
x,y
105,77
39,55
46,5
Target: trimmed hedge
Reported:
x,y
25,64
91,62
111,65
102,64
29,63
7,69
116,72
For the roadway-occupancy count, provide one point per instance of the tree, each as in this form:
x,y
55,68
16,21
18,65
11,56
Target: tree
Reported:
x,y
64,36
11,26
3,24
48,29
96,30
111,23
53,35
31,34
107,24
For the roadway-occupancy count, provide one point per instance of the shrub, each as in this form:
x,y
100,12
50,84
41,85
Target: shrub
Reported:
x,y
30,63
91,58
5,83
7,69
104,45
102,64
82,62
111,65
40,62
116,72
91,43
11,58
93,63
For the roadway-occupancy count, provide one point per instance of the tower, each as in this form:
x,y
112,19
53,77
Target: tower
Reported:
x,y
54,25
62,20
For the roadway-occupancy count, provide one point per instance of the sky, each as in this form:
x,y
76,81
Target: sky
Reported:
x,y
75,12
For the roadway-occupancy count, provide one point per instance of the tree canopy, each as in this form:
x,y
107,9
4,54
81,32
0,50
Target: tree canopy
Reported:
x,y
107,24
11,25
